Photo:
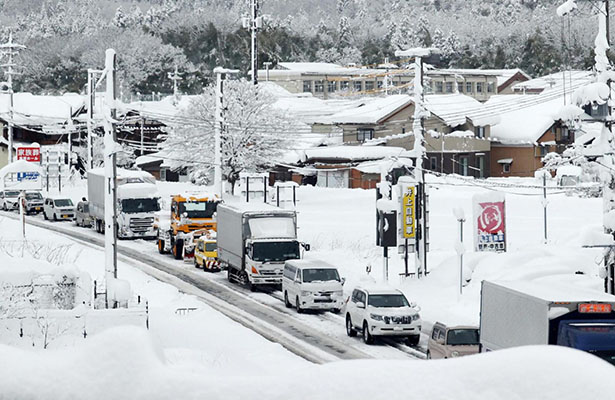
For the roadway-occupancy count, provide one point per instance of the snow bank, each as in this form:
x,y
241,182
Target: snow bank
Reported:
x,y
566,8
128,365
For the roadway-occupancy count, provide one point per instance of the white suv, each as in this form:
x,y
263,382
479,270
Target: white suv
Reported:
x,y
382,311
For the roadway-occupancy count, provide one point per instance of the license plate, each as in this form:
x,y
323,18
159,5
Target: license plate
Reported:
x,y
64,216
37,208
397,328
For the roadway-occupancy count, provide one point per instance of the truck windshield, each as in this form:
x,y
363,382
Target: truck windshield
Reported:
x,y
211,246
388,300
63,203
11,193
462,337
131,206
314,275
34,196
275,251
200,209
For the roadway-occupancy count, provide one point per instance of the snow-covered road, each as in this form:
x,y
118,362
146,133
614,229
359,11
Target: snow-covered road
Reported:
x,y
317,337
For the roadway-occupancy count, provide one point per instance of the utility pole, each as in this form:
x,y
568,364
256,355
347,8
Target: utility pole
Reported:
x,y
220,124
110,156
92,78
544,201
175,77
253,23
10,49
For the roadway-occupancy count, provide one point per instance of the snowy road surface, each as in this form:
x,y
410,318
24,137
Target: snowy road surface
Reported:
x,y
317,337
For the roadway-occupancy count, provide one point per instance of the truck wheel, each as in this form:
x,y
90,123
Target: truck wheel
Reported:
x,y
178,249
286,302
428,355
55,218
160,246
298,305
44,215
196,263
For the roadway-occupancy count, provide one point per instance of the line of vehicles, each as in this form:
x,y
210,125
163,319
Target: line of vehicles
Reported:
x,y
257,245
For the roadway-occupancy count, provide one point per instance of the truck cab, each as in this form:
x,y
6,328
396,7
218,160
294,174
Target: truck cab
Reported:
x,y
189,213
206,251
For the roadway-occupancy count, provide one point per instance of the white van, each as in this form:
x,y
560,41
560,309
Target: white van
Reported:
x,y
312,284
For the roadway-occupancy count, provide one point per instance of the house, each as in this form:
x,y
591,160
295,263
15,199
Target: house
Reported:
x,y
529,128
556,81
4,151
347,166
458,131
323,80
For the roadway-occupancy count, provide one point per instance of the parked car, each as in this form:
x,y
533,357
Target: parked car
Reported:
x,y
58,208
8,197
382,311
34,201
82,214
455,341
312,284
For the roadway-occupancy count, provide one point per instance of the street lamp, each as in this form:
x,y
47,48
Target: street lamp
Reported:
x,y
459,214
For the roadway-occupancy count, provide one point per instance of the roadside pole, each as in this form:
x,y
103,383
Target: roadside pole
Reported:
x,y
22,212
460,216
11,49
544,201
110,159
220,124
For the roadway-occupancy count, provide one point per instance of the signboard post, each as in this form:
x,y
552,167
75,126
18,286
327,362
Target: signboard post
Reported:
x,y
490,221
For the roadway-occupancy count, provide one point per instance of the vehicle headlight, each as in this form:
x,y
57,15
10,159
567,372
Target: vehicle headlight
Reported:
x,y
339,292
376,317
455,354
305,293
415,317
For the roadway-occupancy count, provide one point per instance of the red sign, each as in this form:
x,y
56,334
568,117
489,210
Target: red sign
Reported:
x,y
587,308
32,154
491,226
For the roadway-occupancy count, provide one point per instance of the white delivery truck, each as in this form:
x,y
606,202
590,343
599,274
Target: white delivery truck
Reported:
x,y
516,313
254,241
137,201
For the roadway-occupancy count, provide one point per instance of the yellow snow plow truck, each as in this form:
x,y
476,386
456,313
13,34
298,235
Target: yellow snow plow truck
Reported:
x,y
190,214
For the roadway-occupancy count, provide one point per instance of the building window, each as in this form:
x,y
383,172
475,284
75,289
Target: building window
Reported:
x,y
344,85
307,86
460,87
439,87
463,166
364,134
319,87
506,168
331,86
481,166
433,163
479,87
565,134
449,87
479,131
357,85
380,83
469,87
541,151
490,87
369,85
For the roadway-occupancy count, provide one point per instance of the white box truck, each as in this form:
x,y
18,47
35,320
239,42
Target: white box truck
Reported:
x,y
254,241
517,313
137,201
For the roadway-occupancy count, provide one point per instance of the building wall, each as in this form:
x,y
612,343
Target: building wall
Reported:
x,y
4,156
527,159
452,163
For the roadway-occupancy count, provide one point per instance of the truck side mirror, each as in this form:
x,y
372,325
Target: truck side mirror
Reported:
x,y
306,246
360,305
343,281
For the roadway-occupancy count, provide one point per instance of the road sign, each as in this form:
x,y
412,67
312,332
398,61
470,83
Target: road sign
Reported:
x,y
409,213
27,176
31,154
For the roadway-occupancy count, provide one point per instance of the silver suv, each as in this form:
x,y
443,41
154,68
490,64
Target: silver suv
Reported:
x,y
34,201
382,311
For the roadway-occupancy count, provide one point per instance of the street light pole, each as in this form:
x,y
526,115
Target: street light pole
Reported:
x,y
220,124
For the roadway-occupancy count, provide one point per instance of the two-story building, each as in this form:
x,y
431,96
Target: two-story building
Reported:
x,y
457,132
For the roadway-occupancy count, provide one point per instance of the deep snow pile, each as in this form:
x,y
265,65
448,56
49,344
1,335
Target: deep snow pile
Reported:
x,y
124,363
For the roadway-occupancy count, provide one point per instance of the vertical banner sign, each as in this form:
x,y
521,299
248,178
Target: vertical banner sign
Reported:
x,y
490,220
409,213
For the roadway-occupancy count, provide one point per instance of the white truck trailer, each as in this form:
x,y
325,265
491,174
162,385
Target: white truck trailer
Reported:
x,y
254,241
137,201
516,313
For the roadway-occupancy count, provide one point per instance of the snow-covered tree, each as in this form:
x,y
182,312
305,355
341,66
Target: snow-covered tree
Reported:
x,y
256,134
120,19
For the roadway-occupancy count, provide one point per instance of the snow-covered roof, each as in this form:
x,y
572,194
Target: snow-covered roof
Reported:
x,y
524,118
502,75
310,67
555,81
29,109
137,191
372,110
505,161
19,166
353,153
